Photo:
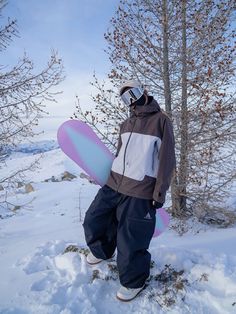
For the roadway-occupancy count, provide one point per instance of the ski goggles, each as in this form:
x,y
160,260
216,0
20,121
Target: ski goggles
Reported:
x,y
132,95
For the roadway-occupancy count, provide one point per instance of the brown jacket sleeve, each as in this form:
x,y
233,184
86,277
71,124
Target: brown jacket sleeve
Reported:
x,y
167,161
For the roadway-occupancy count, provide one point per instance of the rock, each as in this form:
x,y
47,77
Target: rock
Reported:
x,y
1,188
29,188
20,184
85,176
53,179
16,207
67,176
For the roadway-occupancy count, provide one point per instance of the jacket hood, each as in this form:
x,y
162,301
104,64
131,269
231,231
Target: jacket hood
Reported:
x,y
151,107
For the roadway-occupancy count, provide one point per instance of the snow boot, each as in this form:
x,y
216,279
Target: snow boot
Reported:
x,y
128,294
93,260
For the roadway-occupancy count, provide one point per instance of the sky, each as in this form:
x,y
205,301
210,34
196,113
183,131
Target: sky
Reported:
x,y
74,28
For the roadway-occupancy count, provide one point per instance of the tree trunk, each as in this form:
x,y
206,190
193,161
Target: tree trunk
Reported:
x,y
166,74
167,96
182,173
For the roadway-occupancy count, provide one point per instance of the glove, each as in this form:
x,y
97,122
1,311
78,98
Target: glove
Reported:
x,y
156,204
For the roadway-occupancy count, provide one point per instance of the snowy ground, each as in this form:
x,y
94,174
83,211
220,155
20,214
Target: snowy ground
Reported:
x,y
193,273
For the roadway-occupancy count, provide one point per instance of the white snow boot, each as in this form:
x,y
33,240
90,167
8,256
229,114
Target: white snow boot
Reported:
x,y
93,260
128,294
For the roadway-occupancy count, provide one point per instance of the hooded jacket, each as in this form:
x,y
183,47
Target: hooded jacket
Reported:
x,y
145,157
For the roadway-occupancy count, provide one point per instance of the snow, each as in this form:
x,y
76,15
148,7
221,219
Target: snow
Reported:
x,y
192,273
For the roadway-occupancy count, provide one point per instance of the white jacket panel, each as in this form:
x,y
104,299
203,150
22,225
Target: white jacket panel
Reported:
x,y
138,156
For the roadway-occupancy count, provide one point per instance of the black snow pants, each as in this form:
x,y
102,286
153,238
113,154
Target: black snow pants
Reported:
x,y
115,220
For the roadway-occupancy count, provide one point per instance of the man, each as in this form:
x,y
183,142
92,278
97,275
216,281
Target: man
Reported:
x,y
122,215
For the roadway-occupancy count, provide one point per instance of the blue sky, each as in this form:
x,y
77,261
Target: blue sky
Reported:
x,y
74,28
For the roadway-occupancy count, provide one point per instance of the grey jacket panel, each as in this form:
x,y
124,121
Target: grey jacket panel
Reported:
x,y
145,156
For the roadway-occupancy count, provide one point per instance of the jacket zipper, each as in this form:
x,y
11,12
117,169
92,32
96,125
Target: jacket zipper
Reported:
x,y
154,155
125,155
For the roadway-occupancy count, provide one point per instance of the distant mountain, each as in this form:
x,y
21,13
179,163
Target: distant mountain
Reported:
x,y
32,148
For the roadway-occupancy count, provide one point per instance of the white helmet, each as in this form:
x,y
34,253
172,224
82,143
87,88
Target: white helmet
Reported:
x,y
130,83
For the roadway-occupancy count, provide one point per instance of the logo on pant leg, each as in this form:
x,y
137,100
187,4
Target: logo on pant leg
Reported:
x,y
148,216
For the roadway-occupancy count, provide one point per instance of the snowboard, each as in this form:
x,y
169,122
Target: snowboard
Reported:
x,y
80,143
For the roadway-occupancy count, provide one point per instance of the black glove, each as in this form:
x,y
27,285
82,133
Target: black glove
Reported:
x,y
156,204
